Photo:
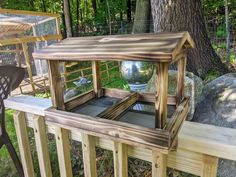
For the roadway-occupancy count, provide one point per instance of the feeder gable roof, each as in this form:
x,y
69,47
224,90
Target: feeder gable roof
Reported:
x,y
156,47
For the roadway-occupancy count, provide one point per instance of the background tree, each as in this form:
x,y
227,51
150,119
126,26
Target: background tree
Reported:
x,y
67,14
187,15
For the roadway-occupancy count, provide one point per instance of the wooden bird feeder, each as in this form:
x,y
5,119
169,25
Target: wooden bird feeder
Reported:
x,y
112,120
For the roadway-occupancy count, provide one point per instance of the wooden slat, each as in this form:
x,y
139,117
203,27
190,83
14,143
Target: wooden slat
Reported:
x,y
63,151
209,166
123,132
23,143
25,12
28,65
42,146
114,111
176,120
97,78
13,51
143,96
56,86
79,100
120,157
159,164
161,94
149,47
180,78
89,155
12,41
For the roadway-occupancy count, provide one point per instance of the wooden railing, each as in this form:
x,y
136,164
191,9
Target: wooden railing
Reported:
x,y
198,151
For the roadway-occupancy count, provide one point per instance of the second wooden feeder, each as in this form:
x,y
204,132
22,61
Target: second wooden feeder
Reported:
x,y
111,113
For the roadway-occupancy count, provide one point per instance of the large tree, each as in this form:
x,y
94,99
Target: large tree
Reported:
x,y
187,15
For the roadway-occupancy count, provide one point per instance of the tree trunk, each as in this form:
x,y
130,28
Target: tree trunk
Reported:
x,y
142,17
187,15
129,11
94,4
67,18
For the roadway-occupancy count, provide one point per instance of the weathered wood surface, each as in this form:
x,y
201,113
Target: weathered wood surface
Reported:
x,y
25,12
180,78
97,78
23,142
30,104
79,100
56,86
159,164
89,155
28,39
120,158
40,133
63,151
177,119
210,166
119,131
143,96
161,47
114,111
161,95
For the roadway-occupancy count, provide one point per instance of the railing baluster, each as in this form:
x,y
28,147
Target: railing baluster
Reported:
x,y
120,156
89,155
159,162
41,145
23,142
209,166
63,152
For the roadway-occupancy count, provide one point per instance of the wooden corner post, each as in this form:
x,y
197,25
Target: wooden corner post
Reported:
x,y
161,94
97,85
56,86
28,65
180,78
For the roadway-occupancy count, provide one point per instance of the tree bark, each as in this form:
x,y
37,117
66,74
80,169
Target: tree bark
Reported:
x,y
142,17
187,15
67,18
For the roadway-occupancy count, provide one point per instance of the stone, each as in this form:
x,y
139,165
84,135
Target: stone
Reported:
x,y
193,88
219,108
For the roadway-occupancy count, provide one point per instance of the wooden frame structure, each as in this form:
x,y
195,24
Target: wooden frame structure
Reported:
x,y
161,49
11,33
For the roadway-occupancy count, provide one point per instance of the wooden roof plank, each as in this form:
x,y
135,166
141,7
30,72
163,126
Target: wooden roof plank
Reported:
x,y
160,47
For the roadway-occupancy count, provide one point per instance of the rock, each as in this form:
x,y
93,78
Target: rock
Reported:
x,y
193,88
219,108
69,93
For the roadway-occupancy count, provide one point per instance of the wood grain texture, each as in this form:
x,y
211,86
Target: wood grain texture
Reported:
x,y
28,65
180,78
28,39
122,132
209,166
120,157
63,151
97,78
161,94
161,47
177,119
113,112
40,134
159,164
56,86
143,96
23,143
89,155
79,100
